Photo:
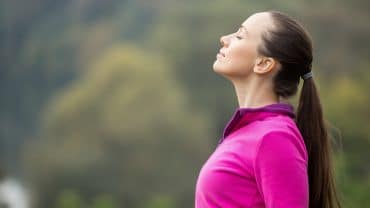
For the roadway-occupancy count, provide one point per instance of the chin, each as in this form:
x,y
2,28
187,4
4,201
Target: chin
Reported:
x,y
221,69
229,72
218,68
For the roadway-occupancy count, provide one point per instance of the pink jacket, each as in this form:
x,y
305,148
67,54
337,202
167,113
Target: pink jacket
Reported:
x,y
260,162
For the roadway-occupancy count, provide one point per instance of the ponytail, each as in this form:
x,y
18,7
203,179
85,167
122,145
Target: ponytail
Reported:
x,y
322,191
290,44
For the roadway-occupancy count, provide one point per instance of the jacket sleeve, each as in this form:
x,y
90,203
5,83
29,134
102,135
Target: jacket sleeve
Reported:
x,y
280,168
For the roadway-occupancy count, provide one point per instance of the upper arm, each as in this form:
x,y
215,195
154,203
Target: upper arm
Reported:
x,y
281,171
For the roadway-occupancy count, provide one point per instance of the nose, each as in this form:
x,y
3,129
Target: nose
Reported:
x,y
223,40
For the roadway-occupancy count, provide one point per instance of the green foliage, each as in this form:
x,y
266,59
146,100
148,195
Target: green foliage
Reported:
x,y
125,122
160,201
105,201
69,199
72,199
129,120
345,103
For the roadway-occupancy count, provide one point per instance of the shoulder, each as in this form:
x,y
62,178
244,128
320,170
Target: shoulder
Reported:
x,y
283,142
276,130
281,127
280,169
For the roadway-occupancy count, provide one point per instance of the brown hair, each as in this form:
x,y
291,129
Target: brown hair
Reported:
x,y
290,44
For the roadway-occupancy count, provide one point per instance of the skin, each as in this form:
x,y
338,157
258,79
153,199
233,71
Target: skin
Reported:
x,y
250,72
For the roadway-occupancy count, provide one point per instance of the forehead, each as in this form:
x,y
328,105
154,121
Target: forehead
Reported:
x,y
257,23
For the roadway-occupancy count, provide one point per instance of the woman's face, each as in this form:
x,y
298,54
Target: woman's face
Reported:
x,y
238,54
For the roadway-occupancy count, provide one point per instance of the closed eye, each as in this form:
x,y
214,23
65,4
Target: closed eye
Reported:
x,y
238,36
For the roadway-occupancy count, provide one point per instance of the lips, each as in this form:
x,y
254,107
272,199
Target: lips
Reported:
x,y
221,53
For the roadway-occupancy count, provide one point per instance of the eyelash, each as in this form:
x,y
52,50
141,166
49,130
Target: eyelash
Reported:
x,y
238,37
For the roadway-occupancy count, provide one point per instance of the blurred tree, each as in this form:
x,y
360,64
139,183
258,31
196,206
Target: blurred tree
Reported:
x,y
105,201
46,45
126,123
344,103
160,201
70,199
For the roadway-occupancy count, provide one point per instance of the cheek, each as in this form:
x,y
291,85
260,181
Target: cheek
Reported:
x,y
242,58
239,61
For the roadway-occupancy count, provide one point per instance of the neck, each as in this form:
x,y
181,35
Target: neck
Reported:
x,y
254,92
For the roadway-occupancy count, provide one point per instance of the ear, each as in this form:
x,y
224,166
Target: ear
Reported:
x,y
264,65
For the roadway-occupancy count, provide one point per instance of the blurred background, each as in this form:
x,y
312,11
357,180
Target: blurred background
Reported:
x,y
114,103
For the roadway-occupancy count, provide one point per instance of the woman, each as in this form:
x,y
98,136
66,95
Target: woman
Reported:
x,y
269,156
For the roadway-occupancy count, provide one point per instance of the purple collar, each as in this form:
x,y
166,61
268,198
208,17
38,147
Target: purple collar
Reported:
x,y
244,116
282,108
